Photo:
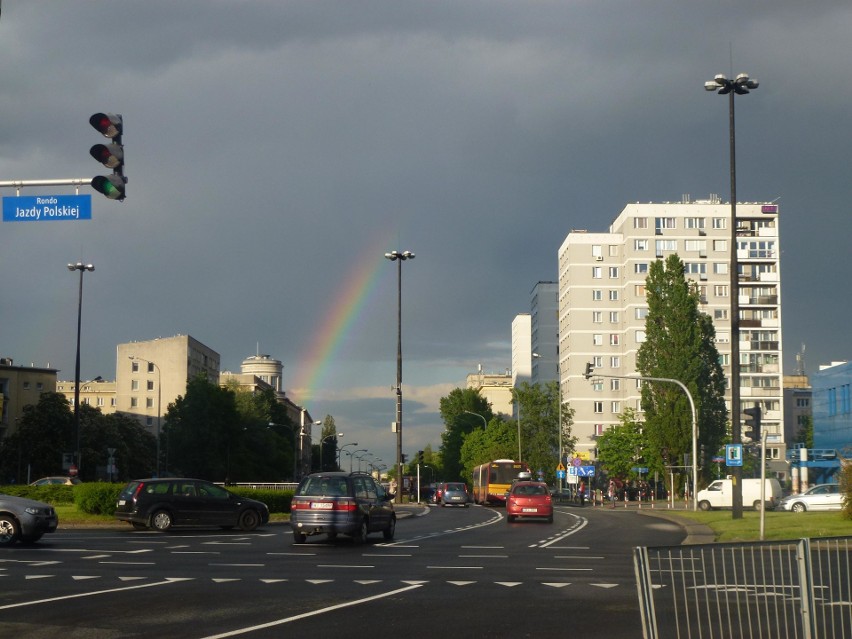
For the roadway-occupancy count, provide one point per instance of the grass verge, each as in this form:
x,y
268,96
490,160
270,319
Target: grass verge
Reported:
x,y
778,525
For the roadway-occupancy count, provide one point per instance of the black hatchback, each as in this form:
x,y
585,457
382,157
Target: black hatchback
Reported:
x,y
163,503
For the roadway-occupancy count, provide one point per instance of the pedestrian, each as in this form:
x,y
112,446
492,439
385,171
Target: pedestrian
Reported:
x,y
611,493
582,492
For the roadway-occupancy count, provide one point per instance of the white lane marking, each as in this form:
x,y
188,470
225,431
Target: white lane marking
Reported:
x,y
483,556
341,566
497,517
166,582
567,569
313,613
581,523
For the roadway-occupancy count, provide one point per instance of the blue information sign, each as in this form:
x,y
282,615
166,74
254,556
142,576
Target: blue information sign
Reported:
x,y
586,471
47,208
733,454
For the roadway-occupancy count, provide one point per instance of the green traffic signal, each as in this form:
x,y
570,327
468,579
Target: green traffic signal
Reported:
x,y
110,185
110,125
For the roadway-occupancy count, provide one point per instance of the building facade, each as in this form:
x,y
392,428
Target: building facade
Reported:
x,y
21,386
602,305
544,332
494,387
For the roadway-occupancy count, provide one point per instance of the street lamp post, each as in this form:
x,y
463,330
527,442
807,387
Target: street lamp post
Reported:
x,y
322,441
159,397
484,423
353,454
399,258
741,85
79,266
340,451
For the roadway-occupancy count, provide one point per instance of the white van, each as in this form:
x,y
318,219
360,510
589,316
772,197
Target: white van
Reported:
x,y
719,494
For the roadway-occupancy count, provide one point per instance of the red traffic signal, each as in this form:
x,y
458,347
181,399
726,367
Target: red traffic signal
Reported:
x,y
110,125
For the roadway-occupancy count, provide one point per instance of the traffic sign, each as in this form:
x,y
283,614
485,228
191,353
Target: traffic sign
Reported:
x,y
560,467
576,462
586,471
733,454
560,474
47,208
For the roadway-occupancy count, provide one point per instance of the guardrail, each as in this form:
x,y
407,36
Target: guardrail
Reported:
x,y
800,588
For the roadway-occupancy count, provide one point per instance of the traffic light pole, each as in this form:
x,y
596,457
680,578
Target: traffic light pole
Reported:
x,y
590,372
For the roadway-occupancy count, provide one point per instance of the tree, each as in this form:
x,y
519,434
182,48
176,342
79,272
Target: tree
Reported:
x,y
621,447
805,434
679,344
539,426
460,410
498,441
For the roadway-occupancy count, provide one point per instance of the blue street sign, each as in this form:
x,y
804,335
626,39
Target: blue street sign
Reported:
x,y
733,454
47,208
586,471
560,474
639,469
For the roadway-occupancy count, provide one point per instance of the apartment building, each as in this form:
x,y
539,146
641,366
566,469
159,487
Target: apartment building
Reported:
x,y
602,306
150,375
494,387
21,386
544,331
521,349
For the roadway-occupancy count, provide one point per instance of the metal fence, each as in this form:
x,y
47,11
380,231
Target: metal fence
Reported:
x,y
778,589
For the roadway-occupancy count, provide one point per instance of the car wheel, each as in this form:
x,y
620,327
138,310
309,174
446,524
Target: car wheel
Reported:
x,y
249,520
138,526
704,505
299,537
8,530
799,507
390,530
510,519
161,520
550,519
757,505
360,535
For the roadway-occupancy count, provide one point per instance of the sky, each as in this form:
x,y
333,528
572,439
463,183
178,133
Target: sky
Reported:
x,y
275,150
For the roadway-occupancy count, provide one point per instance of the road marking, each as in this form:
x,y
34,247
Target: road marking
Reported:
x,y
454,567
166,582
581,523
313,613
461,583
238,565
485,547
368,554
341,566
483,556
567,569
509,584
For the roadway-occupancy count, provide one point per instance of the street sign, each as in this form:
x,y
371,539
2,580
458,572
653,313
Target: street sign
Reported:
x,y
586,471
560,474
576,462
560,466
47,208
733,454
639,469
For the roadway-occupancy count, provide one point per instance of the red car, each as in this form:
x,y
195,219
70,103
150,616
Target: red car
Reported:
x,y
529,499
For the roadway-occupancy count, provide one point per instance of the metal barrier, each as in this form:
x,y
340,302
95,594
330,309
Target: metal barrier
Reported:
x,y
799,588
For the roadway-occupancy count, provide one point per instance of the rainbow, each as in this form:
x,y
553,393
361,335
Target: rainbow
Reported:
x,y
349,300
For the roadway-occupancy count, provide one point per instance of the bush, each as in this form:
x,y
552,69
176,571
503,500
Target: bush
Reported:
x,y
278,501
97,498
49,494
846,487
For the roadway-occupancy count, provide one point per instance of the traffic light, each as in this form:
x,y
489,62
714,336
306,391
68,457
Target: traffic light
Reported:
x,y
589,370
110,125
419,456
752,423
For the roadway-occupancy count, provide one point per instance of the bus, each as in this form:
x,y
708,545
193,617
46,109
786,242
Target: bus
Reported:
x,y
492,480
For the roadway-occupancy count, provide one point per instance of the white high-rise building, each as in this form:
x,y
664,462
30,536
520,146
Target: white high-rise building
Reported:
x,y
602,305
521,349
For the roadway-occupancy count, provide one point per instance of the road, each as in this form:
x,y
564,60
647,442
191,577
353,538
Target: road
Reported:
x,y
459,572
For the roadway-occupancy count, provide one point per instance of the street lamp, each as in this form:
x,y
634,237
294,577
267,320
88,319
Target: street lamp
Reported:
x,y
362,458
322,441
484,423
353,454
340,450
79,266
399,258
741,85
159,397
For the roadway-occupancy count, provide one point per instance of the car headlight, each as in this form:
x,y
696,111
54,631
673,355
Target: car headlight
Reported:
x,y
32,510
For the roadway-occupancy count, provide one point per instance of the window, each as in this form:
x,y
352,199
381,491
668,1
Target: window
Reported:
x,y
695,268
723,337
613,317
640,245
597,386
614,339
720,268
597,317
641,336
613,272
720,314
720,290
597,295
134,366
150,385
597,272
695,245
613,295
661,223
665,245
134,402
597,361
639,290
100,401
134,384
640,222
720,223
600,429
615,407
694,223
615,361
640,268
597,339
641,312
613,250
598,407
597,250
614,384
149,402
720,245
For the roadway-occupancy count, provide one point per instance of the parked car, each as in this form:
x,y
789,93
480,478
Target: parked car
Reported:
x,y
335,503
455,494
163,503
529,499
819,497
25,520
56,481
438,494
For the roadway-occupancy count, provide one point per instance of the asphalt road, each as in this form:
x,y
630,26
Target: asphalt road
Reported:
x,y
455,572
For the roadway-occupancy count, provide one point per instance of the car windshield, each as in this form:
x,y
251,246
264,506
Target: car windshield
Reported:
x,y
530,490
456,487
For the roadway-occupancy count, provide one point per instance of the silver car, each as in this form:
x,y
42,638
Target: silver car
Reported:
x,y
819,497
455,494
24,520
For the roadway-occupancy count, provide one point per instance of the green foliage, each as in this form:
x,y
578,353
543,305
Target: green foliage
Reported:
x,y
846,487
460,410
680,344
498,441
52,495
539,426
97,498
805,434
622,447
